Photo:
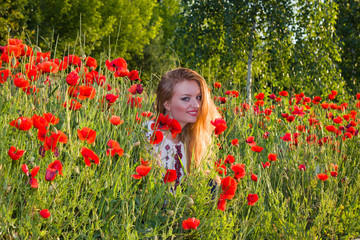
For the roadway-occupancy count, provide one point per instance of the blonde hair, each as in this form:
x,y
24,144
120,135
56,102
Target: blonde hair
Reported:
x,y
195,136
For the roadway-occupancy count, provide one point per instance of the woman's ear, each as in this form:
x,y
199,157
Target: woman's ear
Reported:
x,y
167,105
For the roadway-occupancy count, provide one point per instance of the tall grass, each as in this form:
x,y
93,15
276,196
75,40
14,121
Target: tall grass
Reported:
x,y
104,201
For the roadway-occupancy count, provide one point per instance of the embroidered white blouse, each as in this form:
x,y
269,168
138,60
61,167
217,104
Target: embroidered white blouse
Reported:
x,y
173,155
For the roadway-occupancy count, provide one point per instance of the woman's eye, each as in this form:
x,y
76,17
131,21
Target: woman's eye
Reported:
x,y
185,99
198,97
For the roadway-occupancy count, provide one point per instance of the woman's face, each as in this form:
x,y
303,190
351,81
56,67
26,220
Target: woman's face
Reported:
x,y
185,102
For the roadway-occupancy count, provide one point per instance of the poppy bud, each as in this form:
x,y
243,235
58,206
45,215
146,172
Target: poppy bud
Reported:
x,y
126,155
137,144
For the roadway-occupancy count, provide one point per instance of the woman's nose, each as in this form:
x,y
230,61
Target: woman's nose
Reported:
x,y
195,103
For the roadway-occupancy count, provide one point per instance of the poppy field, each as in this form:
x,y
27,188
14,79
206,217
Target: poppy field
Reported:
x,y
75,163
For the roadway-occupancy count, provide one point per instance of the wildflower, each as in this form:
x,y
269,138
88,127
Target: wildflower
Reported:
x,y
32,181
116,120
220,125
284,93
333,173
15,154
256,149
272,156
142,171
114,148
146,114
190,223
73,104
86,92
170,175
286,137
217,85
73,60
48,67
302,167
235,142
53,169
134,75
265,165
51,118
87,134
4,75
322,176
89,156
250,141
229,159
118,66
156,138
252,199
22,123
72,78
90,62
228,187
239,171
254,177
260,96
50,142
221,203
44,213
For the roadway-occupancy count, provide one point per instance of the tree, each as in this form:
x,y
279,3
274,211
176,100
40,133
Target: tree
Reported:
x,y
348,31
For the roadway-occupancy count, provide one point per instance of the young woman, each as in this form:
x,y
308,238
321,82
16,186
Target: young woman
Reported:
x,y
183,95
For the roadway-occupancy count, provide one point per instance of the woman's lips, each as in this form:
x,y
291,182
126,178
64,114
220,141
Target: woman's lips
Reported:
x,y
193,113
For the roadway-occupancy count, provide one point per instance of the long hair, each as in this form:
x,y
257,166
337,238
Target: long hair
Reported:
x,y
195,136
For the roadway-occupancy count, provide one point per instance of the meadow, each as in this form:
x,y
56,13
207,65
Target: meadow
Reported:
x,y
74,162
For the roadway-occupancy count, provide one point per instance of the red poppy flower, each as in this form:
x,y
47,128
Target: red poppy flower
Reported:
x,y
331,128
235,142
239,170
286,137
90,62
118,65
86,92
62,64
229,159
265,165
175,128
21,82
259,103
72,78
290,118
157,137
146,114
250,141
41,57
333,173
260,96
89,156
14,153
4,75
48,67
44,213
73,60
13,50
254,177
114,148
220,125
322,176
228,187
170,175
337,120
32,181
272,157
302,167
220,168
51,142
311,139
73,105
22,123
252,199
325,105
56,165
221,203
217,85
50,174
134,101
111,98
134,75
256,149
51,118
142,171
87,134
190,223
162,123
116,120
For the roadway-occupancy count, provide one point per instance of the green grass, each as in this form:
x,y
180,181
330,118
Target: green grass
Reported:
x,y
104,201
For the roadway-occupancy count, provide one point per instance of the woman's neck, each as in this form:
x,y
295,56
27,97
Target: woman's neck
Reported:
x,y
175,140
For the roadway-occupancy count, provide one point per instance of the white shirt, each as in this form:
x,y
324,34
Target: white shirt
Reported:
x,y
173,156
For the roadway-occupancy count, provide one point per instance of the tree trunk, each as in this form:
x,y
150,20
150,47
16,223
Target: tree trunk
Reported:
x,y
248,78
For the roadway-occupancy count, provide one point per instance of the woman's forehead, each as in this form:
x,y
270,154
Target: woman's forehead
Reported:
x,y
186,88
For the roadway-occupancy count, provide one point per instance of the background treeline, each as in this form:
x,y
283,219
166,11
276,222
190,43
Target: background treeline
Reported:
x,y
295,45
